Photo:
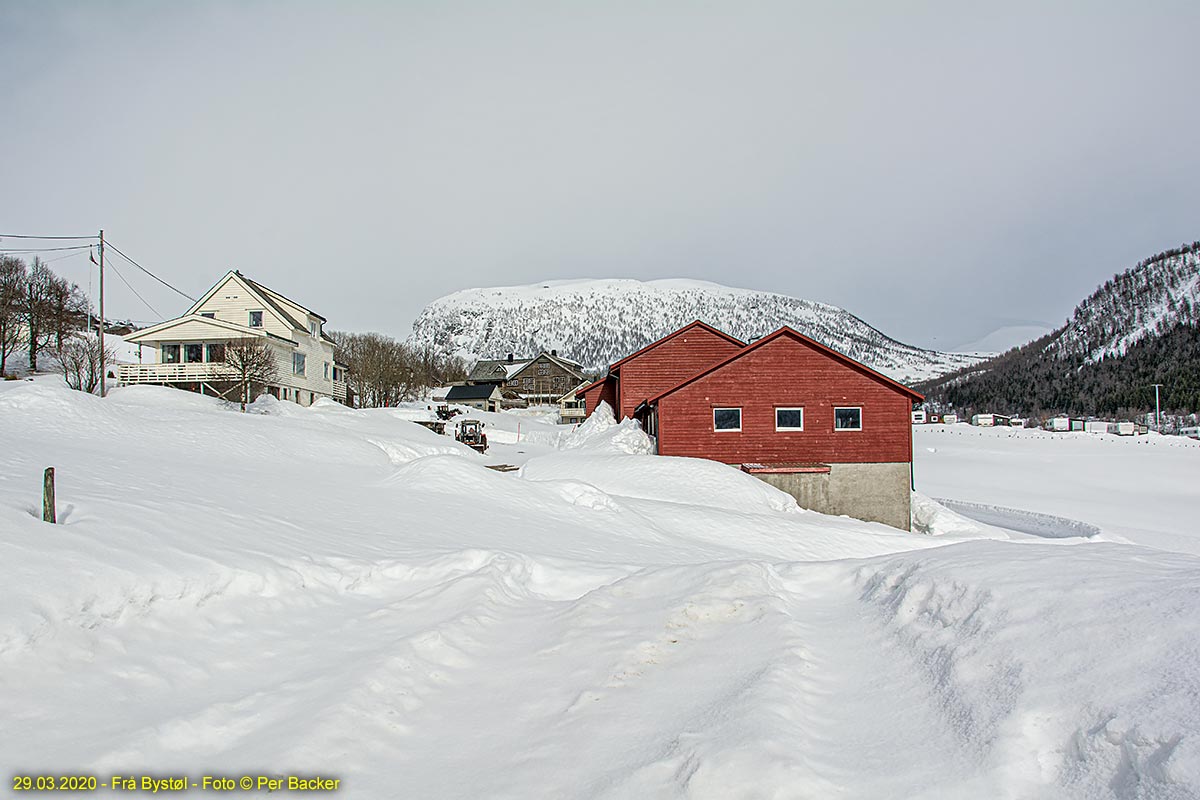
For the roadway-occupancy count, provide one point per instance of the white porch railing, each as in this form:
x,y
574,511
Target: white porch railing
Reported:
x,y
172,373
339,391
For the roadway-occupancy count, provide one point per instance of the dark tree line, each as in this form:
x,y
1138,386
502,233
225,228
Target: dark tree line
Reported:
x,y
1031,381
38,309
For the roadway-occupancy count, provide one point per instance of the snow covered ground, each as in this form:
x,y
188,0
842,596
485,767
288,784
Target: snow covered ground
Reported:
x,y
337,592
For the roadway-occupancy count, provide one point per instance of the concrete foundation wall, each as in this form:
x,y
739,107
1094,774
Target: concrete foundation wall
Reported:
x,y
871,492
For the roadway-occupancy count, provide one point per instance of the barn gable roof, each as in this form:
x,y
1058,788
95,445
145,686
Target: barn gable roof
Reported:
x,y
799,337
697,324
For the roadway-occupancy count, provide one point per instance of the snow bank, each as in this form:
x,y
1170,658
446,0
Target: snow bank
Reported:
x,y
1061,672
933,518
674,480
602,432
336,591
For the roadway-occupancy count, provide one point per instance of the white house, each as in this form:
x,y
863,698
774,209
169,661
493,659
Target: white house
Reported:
x,y
189,351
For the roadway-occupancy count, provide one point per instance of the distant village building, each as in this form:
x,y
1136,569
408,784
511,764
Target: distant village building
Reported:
x,y
949,419
484,396
983,420
541,379
189,351
918,416
572,407
830,431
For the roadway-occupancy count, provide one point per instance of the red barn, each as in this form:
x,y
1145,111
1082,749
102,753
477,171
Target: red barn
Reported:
x,y
659,365
828,430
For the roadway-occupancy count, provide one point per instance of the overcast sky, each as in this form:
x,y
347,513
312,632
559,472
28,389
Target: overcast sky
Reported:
x,y
939,169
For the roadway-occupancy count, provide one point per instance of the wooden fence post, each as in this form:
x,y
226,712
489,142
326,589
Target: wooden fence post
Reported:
x,y
48,514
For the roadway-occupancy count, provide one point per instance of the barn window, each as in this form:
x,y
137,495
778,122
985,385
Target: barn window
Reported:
x,y
727,419
847,419
789,419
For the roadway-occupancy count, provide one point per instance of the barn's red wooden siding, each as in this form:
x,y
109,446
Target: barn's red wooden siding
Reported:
x,y
601,391
668,362
790,373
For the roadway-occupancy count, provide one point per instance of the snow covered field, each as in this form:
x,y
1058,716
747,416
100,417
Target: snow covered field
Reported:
x,y
335,592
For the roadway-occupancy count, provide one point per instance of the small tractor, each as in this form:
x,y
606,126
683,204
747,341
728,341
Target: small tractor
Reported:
x,y
445,412
470,433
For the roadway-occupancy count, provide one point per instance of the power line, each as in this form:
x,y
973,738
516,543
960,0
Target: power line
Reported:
x,y
135,291
60,258
22,236
45,249
148,272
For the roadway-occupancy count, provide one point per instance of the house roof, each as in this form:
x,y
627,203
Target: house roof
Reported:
x,y
482,392
220,324
270,298
486,370
669,336
569,367
786,331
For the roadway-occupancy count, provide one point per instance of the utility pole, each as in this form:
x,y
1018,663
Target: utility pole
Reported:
x,y
103,367
1157,407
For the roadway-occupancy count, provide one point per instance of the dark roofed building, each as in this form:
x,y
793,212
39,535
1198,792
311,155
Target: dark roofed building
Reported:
x,y
485,396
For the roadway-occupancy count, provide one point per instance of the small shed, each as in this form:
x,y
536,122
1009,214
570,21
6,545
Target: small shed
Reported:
x,y
949,419
484,396
984,420
1058,424
1122,428
918,417
1095,426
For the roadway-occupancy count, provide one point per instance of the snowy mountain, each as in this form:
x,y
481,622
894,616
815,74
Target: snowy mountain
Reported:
x,y
597,322
1144,301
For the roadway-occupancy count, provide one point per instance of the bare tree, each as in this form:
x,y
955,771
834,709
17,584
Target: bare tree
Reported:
x,y
40,288
252,361
12,294
383,372
79,359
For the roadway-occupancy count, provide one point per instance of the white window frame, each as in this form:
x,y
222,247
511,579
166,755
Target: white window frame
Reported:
x,y
326,370
738,409
250,319
314,328
298,360
836,409
789,408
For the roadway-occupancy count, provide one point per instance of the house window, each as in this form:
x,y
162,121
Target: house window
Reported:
x,y
543,369
326,370
255,319
170,354
216,352
789,419
193,353
727,419
314,327
209,314
298,364
847,419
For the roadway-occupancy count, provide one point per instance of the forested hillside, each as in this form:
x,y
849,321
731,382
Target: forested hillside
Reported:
x,y
1140,328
